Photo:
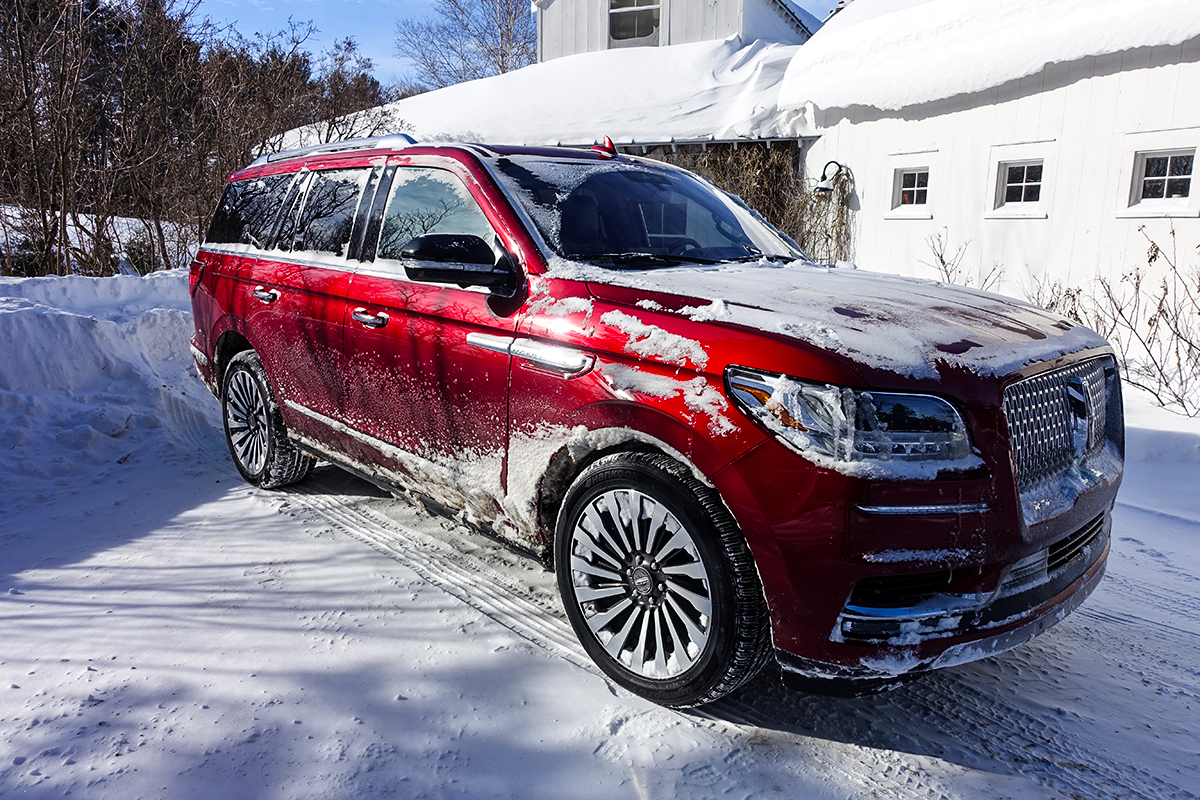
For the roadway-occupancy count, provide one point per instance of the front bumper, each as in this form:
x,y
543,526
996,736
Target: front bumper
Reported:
x,y
947,630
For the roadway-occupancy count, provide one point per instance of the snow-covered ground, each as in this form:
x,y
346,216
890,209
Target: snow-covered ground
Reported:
x,y
167,631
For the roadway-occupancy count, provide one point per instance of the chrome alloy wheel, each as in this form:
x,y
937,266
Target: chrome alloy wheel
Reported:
x,y
640,583
247,419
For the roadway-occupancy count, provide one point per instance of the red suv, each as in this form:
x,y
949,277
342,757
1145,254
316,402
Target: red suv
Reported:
x,y
730,454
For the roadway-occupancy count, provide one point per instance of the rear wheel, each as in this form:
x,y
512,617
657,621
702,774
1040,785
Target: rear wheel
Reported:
x,y
658,581
254,428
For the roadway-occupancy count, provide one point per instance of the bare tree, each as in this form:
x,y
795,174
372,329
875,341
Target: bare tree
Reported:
x,y
469,39
119,120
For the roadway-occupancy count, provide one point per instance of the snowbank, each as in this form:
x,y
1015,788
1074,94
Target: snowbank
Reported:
x,y
890,54
91,368
695,91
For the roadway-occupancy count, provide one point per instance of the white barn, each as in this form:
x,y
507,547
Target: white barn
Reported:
x,y
1040,134
569,27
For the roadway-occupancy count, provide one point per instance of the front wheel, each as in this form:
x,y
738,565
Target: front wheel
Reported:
x,y
254,428
658,582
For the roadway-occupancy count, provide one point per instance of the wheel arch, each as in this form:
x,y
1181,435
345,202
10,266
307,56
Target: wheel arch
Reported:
x,y
584,447
230,343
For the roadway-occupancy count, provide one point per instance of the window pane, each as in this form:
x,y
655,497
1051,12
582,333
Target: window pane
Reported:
x,y
908,180
428,201
1181,165
615,4
921,196
633,24
1012,194
1033,173
1033,192
906,198
1152,189
328,214
922,179
1156,167
247,211
1016,175
1178,187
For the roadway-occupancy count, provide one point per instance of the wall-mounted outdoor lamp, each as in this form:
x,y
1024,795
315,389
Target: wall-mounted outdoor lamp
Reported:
x,y
824,187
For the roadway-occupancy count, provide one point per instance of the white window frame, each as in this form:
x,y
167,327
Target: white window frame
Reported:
x,y
1140,146
653,40
919,161
1002,183
898,187
1139,177
1017,154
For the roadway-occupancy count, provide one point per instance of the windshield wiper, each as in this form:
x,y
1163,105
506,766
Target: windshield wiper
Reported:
x,y
765,256
653,258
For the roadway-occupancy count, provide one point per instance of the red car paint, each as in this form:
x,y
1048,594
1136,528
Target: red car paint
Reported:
x,y
352,350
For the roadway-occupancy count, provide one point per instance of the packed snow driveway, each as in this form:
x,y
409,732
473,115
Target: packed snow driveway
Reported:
x,y
166,631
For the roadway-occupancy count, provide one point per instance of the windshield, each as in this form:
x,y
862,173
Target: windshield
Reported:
x,y
636,216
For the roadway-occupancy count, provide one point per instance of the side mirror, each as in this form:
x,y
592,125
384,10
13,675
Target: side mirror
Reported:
x,y
457,258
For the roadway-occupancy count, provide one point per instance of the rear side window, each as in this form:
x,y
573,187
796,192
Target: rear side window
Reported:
x,y
247,211
425,201
324,218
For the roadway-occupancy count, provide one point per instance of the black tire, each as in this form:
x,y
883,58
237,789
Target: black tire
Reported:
x,y
254,429
626,589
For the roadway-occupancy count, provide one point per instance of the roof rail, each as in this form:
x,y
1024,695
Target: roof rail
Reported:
x,y
394,140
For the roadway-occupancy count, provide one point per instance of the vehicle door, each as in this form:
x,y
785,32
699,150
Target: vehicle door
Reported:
x,y
429,402
241,226
296,303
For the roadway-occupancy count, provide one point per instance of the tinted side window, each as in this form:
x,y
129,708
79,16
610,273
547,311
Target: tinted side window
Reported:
x,y
247,211
425,201
326,213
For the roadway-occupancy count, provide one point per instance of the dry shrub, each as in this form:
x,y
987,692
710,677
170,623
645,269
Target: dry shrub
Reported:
x,y
948,264
1151,315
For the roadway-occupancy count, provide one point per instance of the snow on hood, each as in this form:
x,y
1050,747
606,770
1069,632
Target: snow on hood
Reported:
x,y
643,94
890,54
904,325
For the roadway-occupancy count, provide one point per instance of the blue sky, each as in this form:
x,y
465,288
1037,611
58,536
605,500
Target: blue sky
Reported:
x,y
372,23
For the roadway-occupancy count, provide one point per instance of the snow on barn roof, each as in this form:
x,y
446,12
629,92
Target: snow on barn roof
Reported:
x,y
716,90
890,54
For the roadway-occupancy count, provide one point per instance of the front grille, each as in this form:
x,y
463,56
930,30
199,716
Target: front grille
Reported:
x,y
1063,551
1056,417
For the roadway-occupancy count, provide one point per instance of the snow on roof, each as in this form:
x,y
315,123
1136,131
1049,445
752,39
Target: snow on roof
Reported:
x,y
706,90
890,54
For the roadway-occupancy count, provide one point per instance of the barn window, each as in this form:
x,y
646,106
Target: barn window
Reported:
x,y
1164,175
633,22
912,187
1021,182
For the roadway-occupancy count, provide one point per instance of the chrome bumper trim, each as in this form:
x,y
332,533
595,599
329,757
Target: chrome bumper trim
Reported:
x,y
958,508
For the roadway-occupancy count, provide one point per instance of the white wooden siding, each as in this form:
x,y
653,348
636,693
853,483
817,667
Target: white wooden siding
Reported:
x,y
567,27
1086,119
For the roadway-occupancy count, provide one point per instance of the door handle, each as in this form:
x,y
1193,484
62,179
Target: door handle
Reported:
x,y
368,319
265,295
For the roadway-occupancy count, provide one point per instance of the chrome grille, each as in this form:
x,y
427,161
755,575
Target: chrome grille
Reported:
x,y
1049,430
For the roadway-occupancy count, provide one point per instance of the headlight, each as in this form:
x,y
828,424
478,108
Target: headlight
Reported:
x,y
826,423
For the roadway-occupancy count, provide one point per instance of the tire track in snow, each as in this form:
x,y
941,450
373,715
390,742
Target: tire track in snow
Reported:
x,y
953,717
530,614
537,617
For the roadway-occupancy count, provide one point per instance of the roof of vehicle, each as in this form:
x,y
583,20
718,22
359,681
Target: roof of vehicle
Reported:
x,y
281,161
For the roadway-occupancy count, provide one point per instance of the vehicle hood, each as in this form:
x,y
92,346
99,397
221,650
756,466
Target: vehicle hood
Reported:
x,y
908,326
